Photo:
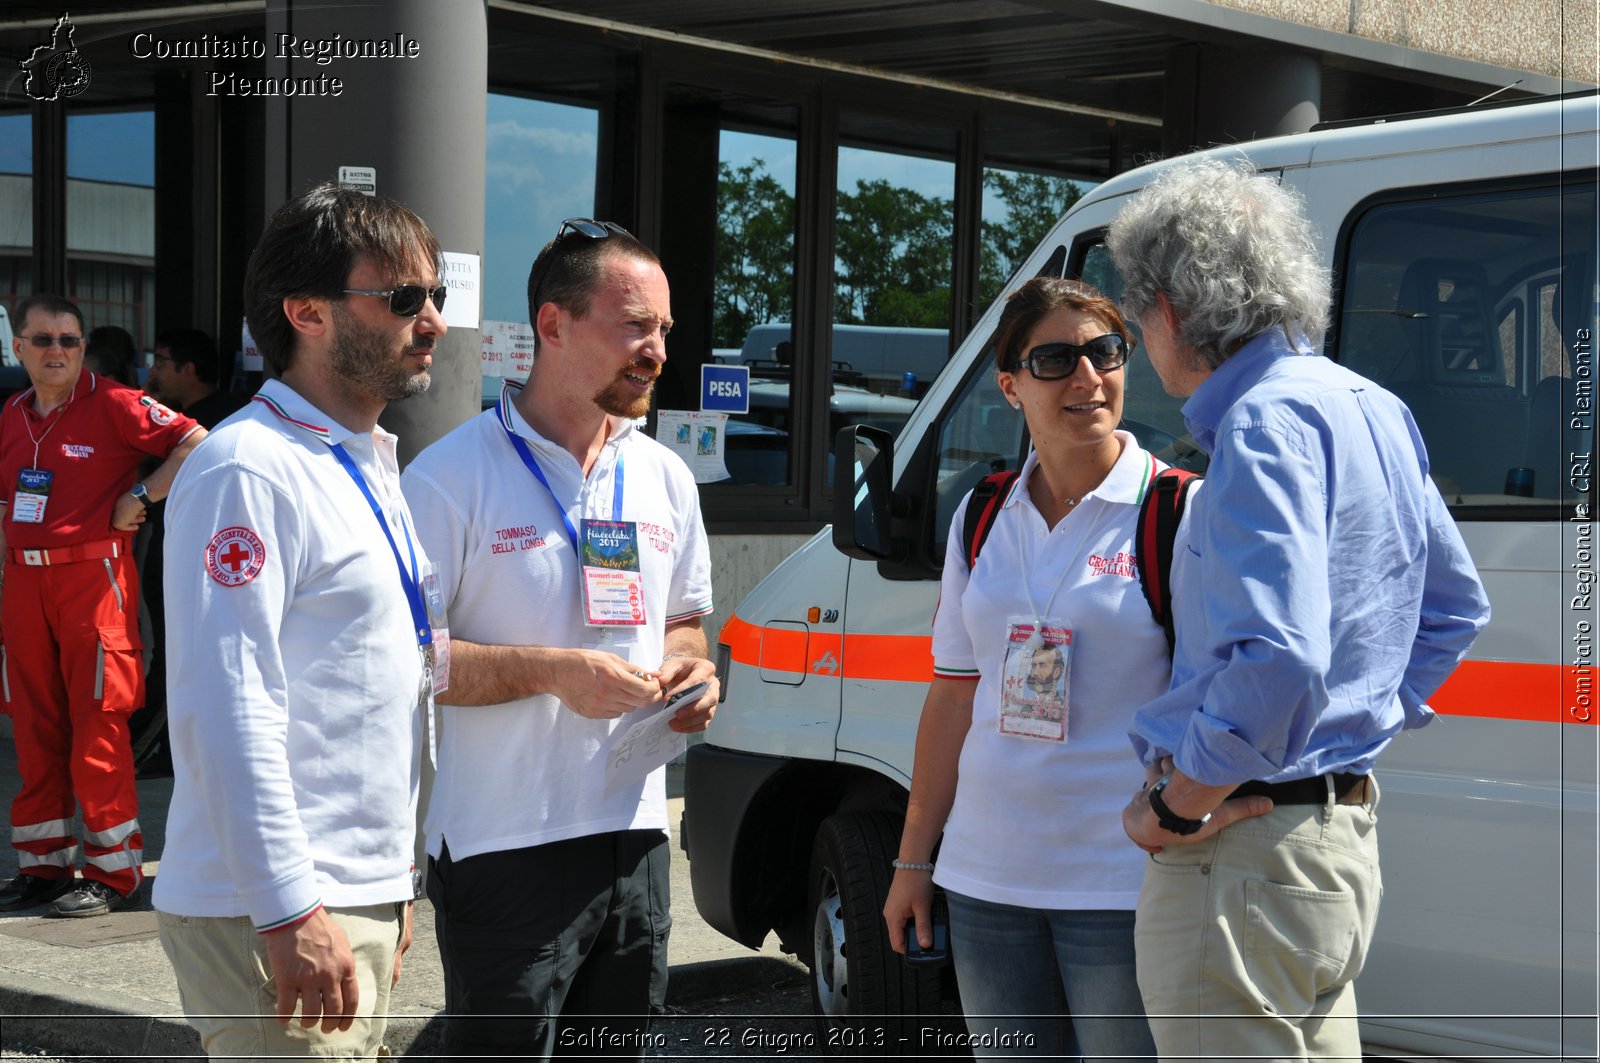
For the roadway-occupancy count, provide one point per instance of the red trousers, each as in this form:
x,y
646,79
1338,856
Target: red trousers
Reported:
x,y
73,674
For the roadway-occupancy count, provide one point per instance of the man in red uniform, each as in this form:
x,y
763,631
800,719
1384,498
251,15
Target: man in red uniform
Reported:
x,y
70,449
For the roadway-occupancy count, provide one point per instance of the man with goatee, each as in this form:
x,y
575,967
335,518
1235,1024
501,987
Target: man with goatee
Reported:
x,y
575,572
302,659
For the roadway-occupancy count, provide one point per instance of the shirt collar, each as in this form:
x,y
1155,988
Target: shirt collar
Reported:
x,y
1126,482
289,405
1226,384
86,383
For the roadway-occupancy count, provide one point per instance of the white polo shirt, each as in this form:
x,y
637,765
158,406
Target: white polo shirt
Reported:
x,y
293,671
528,772
1036,823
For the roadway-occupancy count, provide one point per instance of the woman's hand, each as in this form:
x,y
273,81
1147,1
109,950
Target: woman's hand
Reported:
x,y
910,897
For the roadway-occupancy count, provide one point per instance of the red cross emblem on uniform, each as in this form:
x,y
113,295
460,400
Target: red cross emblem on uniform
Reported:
x,y
235,556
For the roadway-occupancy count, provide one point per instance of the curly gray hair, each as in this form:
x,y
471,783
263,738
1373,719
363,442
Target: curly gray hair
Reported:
x,y
1232,250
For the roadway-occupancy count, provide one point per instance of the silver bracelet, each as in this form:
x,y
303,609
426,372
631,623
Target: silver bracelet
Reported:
x,y
906,865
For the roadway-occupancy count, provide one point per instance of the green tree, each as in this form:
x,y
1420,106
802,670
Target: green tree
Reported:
x,y
755,252
1034,202
892,252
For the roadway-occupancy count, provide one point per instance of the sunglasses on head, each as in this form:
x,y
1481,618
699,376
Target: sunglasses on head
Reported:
x,y
44,341
406,299
594,230
1055,361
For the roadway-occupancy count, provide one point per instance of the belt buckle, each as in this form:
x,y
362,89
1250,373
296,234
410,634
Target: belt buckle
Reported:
x,y
33,557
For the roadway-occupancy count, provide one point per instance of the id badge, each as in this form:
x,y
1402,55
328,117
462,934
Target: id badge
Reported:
x,y
613,587
33,491
1036,682
433,597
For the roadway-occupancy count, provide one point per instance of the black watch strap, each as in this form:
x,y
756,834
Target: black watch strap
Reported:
x,y
1169,820
142,493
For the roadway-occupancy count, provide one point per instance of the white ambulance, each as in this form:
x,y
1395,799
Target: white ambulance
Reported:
x,y
1464,250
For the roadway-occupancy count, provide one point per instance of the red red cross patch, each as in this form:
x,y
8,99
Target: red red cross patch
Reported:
x,y
235,556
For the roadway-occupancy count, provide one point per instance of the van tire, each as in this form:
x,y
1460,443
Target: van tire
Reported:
x,y
863,994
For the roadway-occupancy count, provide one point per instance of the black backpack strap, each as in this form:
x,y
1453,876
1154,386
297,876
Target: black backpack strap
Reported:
x,y
1159,517
982,508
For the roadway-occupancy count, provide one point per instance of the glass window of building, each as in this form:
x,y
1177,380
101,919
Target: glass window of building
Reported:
x,y
540,171
111,229
16,221
893,268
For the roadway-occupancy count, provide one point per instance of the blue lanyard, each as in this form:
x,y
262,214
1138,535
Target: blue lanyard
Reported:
x,y
408,579
538,474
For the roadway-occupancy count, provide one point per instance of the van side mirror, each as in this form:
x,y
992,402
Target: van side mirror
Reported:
x,y
863,471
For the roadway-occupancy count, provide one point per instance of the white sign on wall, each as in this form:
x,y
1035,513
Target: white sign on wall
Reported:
x,y
461,275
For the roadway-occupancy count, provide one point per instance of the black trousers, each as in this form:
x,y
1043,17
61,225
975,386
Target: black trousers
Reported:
x,y
554,950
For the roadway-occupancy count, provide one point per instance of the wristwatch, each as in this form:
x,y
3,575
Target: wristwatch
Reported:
x,y
142,493
1170,821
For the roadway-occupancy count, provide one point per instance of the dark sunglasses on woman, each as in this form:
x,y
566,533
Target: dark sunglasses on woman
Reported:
x,y
1055,361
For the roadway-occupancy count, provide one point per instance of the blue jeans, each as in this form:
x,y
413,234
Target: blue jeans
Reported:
x,y
1047,983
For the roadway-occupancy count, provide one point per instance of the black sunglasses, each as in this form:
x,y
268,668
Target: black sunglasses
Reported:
x,y
594,230
43,341
406,299
588,227
1055,361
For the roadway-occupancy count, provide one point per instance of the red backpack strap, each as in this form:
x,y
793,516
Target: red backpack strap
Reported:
x,y
1159,517
982,508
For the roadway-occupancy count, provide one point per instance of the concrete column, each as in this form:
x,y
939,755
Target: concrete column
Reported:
x,y
420,124
1219,95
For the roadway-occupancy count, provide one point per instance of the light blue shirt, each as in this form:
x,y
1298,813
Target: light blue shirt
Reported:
x,y
1324,592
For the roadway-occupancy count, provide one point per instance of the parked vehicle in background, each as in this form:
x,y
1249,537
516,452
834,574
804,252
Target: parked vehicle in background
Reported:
x,y
1464,254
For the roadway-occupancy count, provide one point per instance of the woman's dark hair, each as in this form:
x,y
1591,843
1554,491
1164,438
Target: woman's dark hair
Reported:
x,y
310,245
1037,300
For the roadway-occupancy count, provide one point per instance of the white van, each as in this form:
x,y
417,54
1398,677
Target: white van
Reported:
x,y
1464,251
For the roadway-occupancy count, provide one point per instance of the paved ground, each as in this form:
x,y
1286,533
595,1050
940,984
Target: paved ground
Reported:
x,y
103,987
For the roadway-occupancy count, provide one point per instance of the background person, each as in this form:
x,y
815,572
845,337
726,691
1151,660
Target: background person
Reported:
x,y
1040,884
300,665
1326,595
550,882
70,449
111,353
183,375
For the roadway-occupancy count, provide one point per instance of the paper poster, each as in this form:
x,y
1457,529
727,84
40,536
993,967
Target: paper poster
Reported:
x,y
462,277
507,349
700,439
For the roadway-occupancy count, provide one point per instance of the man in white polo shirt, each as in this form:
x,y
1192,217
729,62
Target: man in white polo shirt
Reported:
x,y
575,571
305,652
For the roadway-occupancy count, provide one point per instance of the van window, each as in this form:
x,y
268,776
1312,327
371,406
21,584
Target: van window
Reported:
x,y
1475,309
981,434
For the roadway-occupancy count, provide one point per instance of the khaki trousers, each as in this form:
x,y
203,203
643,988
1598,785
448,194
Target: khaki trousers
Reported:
x,y
231,999
1248,944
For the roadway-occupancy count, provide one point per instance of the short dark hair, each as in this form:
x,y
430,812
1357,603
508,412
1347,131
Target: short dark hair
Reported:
x,y
310,245
111,352
1037,300
567,271
54,305
190,346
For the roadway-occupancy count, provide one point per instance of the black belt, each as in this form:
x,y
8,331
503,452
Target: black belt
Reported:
x,y
1312,791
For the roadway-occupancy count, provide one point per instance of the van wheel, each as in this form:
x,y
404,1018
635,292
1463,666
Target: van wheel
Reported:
x,y
867,1001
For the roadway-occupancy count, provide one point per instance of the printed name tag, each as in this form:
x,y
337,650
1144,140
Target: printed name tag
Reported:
x,y
33,491
613,587
1036,683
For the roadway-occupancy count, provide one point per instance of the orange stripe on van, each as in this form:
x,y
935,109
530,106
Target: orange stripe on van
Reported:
x,y
1496,690
1510,690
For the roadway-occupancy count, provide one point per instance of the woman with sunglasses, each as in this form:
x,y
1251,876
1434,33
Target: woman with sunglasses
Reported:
x,y
1040,880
